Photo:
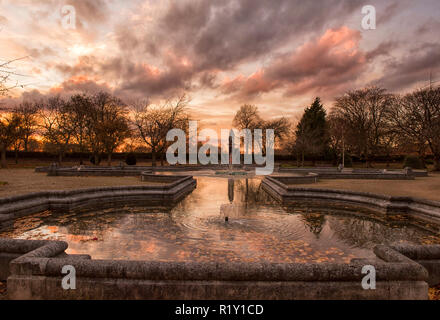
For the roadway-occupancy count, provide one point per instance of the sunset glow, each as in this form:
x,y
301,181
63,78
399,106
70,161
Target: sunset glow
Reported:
x,y
223,53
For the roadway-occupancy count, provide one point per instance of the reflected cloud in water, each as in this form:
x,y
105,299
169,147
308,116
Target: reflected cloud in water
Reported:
x,y
259,229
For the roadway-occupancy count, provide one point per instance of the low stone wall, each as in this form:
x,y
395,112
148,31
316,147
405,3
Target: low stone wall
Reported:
x,y
425,210
416,173
161,178
306,170
306,178
135,170
121,171
365,174
165,195
36,274
427,256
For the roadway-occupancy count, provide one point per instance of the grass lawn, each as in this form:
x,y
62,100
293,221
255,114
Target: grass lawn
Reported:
x,y
23,181
425,188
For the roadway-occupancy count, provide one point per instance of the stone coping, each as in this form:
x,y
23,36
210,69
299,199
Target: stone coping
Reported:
x,y
120,171
115,169
168,194
147,176
426,210
303,178
366,174
36,274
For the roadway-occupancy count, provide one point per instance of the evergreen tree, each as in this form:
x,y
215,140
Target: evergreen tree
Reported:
x,y
311,132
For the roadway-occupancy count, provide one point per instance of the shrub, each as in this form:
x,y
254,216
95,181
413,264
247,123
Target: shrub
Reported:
x,y
92,160
413,162
348,161
130,159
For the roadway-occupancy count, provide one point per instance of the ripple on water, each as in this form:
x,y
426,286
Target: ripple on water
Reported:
x,y
258,230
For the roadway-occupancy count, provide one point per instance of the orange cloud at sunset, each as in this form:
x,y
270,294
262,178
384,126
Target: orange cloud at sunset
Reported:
x,y
278,56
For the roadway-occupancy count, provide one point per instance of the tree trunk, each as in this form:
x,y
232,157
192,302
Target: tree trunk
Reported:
x,y
4,164
60,157
162,159
302,159
109,159
437,162
16,156
96,159
153,157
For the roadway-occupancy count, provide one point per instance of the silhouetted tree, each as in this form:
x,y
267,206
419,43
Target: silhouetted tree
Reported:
x,y
28,113
152,123
10,134
108,125
312,131
58,125
415,117
364,114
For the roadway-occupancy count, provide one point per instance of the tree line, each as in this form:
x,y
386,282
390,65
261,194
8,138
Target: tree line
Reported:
x,y
364,123
97,124
371,122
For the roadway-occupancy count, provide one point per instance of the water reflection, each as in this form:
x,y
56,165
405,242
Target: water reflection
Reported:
x,y
259,229
314,222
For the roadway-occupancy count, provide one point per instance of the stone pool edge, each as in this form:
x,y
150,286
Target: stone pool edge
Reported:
x,y
33,271
425,210
174,190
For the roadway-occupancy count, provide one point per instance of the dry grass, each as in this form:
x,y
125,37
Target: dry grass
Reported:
x,y
23,181
425,188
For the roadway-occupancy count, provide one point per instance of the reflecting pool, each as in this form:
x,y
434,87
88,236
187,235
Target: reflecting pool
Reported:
x,y
257,229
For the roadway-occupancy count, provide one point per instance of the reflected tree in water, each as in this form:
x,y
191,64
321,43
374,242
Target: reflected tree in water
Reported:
x,y
315,222
367,233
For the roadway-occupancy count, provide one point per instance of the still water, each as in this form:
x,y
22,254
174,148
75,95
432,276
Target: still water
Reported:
x,y
258,229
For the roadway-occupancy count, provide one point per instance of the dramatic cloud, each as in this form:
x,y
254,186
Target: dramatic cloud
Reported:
x,y
322,66
416,67
222,53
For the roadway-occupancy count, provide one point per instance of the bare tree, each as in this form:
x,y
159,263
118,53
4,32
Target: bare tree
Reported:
x,y
80,106
364,113
28,112
416,119
58,127
6,71
247,118
10,133
337,129
113,128
152,123
108,125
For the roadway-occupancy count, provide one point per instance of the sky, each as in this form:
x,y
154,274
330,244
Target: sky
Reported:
x,y
277,55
